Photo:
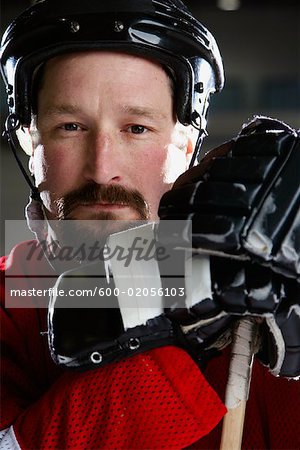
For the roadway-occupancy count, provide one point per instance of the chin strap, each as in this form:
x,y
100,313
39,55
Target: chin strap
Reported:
x,y
196,154
199,123
12,124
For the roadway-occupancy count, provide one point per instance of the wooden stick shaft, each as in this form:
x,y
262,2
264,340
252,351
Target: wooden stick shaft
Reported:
x,y
232,431
238,385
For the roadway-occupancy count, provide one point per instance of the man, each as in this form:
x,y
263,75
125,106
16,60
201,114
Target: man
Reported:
x,y
113,97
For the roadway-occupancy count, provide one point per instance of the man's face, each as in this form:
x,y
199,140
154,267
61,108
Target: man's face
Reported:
x,y
106,140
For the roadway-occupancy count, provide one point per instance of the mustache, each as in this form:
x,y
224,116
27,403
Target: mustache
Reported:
x,y
96,193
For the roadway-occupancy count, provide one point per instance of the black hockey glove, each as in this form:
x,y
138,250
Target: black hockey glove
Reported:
x,y
90,324
87,327
243,203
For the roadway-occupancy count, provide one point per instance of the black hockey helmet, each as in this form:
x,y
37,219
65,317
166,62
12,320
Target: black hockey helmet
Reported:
x,y
162,30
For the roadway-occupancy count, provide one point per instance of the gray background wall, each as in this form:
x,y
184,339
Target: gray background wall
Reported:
x,y
260,44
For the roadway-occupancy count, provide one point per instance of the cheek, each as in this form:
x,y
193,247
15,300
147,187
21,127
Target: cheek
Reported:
x,y
53,171
151,169
157,172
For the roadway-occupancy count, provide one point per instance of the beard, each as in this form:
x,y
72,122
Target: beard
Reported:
x,y
73,232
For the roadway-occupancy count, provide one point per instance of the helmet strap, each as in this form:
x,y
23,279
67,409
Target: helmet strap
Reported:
x,y
196,154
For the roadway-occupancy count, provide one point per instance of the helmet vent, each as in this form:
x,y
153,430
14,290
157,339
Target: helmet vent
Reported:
x,y
119,26
74,27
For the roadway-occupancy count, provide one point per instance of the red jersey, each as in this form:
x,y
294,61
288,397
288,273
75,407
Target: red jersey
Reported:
x,y
156,400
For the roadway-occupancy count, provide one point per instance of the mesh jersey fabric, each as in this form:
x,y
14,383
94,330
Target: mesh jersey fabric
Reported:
x,y
157,400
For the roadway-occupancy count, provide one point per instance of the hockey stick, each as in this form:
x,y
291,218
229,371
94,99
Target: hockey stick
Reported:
x,y
237,390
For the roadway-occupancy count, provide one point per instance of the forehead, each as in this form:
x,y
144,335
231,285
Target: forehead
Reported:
x,y
123,78
107,64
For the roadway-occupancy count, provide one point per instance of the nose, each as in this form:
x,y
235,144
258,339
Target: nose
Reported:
x,y
102,162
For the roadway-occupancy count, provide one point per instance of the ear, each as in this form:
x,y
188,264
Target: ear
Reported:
x,y
25,140
190,147
34,135
31,165
189,151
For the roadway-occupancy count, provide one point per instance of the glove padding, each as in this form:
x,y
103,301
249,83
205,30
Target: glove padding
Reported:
x,y
86,332
280,346
246,289
242,202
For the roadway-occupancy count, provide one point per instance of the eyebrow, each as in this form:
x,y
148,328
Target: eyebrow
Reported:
x,y
142,111
62,109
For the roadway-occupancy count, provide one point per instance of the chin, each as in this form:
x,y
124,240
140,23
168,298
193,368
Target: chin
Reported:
x,y
78,228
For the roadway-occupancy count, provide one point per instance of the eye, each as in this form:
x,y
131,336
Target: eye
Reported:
x,y
137,129
70,127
